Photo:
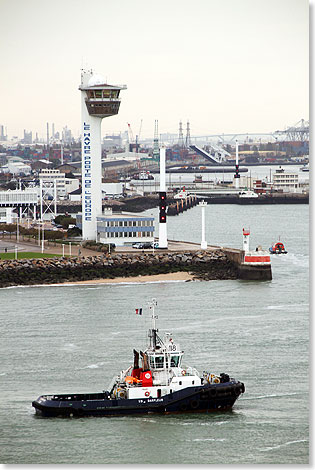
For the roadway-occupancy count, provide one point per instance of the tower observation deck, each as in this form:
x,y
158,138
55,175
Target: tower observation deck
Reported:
x,y
98,100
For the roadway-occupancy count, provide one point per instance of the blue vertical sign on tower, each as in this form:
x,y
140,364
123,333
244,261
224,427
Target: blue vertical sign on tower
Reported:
x,y
86,193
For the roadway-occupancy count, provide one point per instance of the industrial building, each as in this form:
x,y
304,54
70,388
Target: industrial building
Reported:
x,y
122,228
16,166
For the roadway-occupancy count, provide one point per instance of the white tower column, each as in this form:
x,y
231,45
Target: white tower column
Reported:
x,y
41,198
204,244
91,172
98,100
237,175
246,234
162,170
162,216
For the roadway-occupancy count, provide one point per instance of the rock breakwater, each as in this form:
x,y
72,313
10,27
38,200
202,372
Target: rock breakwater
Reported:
x,y
208,265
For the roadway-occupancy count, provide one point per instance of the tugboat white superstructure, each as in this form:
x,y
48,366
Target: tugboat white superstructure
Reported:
x,y
162,384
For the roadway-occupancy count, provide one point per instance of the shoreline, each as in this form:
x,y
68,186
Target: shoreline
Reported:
x,y
155,278
178,276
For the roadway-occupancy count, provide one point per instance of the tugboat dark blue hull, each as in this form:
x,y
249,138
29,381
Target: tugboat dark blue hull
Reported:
x,y
202,399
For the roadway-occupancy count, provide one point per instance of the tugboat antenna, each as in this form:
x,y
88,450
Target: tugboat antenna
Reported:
x,y
153,330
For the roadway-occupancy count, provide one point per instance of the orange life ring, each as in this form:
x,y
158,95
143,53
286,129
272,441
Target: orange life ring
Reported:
x,y
132,380
183,372
147,394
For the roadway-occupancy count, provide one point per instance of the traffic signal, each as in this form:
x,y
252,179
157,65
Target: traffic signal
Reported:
x,y
162,195
162,206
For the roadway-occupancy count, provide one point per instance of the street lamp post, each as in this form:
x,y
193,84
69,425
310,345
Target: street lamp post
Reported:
x,y
43,237
38,233
203,245
17,230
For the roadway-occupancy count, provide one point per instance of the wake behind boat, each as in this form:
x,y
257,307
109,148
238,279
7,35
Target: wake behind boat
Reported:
x,y
161,385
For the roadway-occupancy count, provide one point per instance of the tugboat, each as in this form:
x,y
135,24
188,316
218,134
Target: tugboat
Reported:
x,y
277,249
161,385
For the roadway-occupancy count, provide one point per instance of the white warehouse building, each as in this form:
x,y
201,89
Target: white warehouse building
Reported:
x,y
16,168
122,228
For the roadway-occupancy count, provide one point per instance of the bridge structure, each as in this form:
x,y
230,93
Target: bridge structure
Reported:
x,y
300,131
216,155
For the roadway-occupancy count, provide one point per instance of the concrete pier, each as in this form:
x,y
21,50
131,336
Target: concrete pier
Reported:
x,y
247,272
214,263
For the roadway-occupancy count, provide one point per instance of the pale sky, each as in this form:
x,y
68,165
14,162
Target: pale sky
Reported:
x,y
224,65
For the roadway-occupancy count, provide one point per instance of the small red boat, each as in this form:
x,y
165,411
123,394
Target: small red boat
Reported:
x,y
277,248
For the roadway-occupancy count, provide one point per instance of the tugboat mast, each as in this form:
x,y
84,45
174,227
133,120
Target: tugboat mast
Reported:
x,y
153,331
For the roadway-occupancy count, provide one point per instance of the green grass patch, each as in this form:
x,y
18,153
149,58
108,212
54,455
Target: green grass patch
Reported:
x,y
26,255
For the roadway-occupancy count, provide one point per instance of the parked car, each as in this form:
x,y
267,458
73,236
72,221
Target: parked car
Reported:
x,y
143,245
137,245
147,245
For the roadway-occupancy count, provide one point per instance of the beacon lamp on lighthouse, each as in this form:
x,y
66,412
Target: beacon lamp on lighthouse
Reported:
x,y
98,100
162,197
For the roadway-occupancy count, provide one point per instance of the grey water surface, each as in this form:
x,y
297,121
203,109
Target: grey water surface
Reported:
x,y
60,339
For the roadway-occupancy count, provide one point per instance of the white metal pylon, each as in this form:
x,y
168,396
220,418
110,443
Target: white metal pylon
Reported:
x,y
48,198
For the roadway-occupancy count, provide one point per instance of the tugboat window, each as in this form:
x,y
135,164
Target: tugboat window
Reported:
x,y
174,361
159,362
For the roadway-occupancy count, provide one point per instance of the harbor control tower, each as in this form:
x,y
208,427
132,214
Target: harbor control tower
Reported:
x,y
99,100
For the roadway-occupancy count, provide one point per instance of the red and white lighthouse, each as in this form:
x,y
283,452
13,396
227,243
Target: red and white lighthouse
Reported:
x,y
246,234
257,257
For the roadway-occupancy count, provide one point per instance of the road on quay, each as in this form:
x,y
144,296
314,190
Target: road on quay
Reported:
x,y
26,246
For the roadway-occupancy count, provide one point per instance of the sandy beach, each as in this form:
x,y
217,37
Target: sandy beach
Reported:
x,y
180,276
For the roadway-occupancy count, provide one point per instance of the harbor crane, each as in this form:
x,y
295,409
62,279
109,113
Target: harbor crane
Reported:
x,y
134,142
298,132
130,133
